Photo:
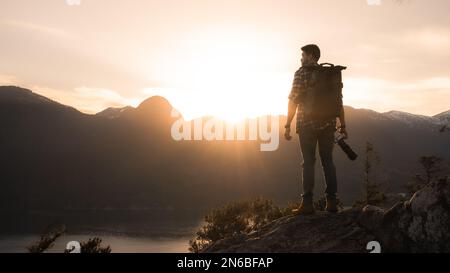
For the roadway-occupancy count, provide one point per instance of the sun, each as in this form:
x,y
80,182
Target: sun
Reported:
x,y
229,76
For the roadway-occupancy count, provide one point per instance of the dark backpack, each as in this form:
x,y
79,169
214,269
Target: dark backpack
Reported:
x,y
324,97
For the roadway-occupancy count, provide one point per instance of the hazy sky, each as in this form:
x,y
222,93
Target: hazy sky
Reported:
x,y
225,58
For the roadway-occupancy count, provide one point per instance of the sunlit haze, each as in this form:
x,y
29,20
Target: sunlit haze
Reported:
x,y
230,59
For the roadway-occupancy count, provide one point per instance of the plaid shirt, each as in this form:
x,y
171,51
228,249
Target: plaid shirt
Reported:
x,y
303,82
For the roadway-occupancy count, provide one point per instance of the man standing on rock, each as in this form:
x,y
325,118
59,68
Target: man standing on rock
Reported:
x,y
315,125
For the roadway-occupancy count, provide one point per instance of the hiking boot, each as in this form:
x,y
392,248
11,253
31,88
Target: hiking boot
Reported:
x,y
306,208
331,204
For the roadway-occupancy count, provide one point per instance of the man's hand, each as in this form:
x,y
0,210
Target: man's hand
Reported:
x,y
343,131
287,133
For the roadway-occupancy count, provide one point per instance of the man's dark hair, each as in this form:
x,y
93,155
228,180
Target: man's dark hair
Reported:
x,y
313,50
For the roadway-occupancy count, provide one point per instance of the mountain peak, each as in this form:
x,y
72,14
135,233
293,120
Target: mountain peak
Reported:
x,y
155,101
12,89
155,106
18,93
22,96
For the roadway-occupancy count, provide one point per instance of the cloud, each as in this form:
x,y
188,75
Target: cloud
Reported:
x,y
425,96
434,38
8,80
90,99
86,99
41,29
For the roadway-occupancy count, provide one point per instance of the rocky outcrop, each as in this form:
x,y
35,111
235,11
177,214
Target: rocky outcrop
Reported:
x,y
421,224
322,232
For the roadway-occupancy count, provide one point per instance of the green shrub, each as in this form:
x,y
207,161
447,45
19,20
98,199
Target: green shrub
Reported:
x,y
241,217
47,239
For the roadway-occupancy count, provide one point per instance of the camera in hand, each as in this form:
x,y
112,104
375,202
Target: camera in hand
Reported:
x,y
346,148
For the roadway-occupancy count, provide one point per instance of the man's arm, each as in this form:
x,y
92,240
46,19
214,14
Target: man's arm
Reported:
x,y
342,126
342,117
292,106
292,109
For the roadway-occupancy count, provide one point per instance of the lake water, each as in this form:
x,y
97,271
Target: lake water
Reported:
x,y
118,243
125,231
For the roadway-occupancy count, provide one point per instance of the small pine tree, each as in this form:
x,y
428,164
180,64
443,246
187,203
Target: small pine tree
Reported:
x,y
52,233
431,166
47,239
94,245
374,193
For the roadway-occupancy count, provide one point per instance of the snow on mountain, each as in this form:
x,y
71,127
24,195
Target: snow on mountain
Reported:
x,y
444,117
114,112
412,119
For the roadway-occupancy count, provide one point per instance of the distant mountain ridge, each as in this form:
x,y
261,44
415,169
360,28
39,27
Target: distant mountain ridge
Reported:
x,y
444,117
412,119
403,117
55,157
18,95
114,112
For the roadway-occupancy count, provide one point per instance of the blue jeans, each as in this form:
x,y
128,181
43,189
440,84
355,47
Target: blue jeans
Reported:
x,y
309,138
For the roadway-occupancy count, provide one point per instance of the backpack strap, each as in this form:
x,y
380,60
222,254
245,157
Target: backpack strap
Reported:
x,y
339,67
